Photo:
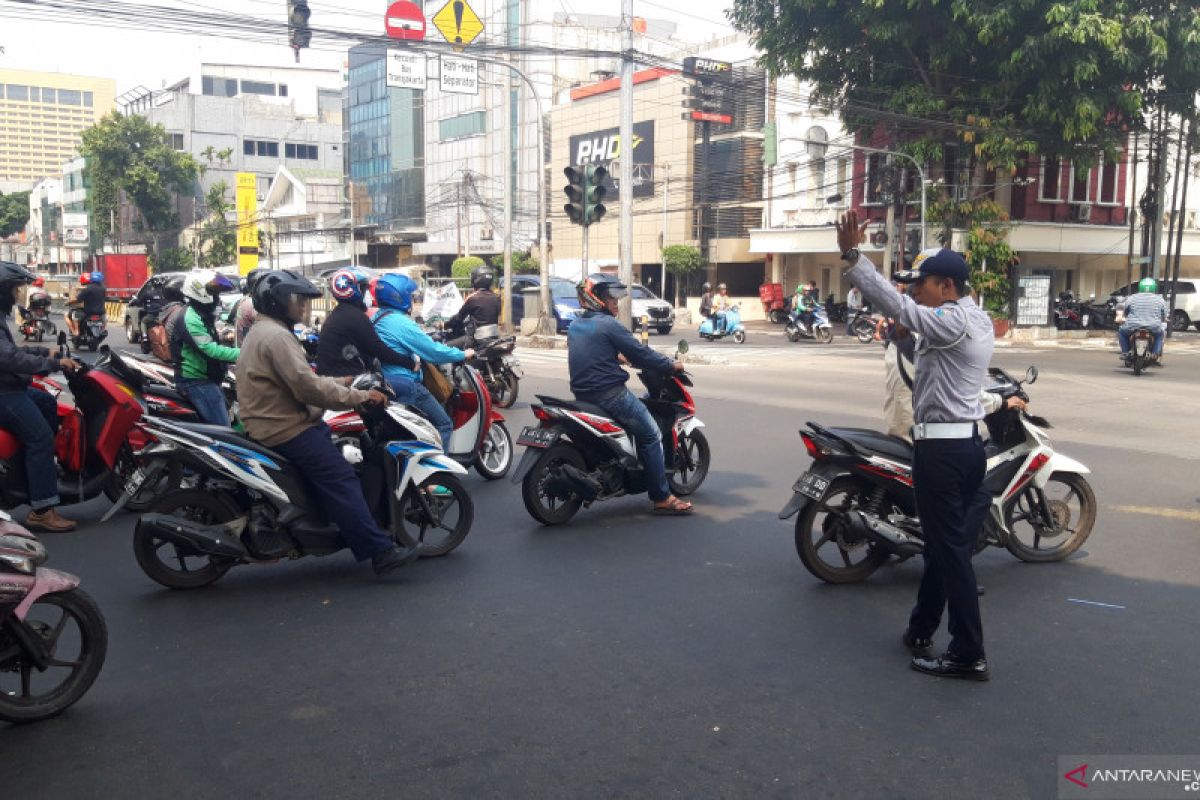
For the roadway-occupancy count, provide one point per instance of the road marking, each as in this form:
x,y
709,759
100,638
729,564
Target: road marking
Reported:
x,y
1093,603
1170,513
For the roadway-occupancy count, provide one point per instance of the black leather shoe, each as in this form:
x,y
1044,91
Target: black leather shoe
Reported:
x,y
395,558
947,666
917,645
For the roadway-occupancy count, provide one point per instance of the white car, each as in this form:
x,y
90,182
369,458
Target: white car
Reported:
x,y
647,304
1187,301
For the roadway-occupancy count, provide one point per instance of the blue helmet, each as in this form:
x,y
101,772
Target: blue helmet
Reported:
x,y
394,291
349,285
96,277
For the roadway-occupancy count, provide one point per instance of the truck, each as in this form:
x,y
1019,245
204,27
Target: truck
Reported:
x,y
124,273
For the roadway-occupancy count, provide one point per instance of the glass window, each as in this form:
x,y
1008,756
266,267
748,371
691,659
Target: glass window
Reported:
x,y
87,99
876,175
1108,181
247,147
268,149
49,95
35,94
1051,188
1081,186
283,90
70,97
18,92
472,124
258,87
176,141
218,87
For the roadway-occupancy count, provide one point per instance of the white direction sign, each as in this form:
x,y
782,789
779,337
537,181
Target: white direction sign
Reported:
x,y
460,75
405,70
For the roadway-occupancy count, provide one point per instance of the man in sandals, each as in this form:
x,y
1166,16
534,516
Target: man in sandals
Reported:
x,y
595,343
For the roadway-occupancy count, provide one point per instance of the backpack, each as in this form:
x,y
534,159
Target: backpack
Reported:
x,y
214,370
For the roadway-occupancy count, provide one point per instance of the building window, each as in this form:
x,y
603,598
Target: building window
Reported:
x,y
303,152
874,189
70,97
258,87
176,141
842,190
1051,189
1081,185
472,124
18,92
87,99
218,87
258,147
49,95
283,90
35,94
1108,181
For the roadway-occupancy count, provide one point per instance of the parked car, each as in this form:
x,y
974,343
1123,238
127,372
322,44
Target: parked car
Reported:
x,y
562,294
1187,301
136,308
647,304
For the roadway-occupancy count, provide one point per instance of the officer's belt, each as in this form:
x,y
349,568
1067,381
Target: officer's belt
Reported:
x,y
943,430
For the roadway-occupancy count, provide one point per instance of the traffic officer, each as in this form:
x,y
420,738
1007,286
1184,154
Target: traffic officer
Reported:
x,y
948,461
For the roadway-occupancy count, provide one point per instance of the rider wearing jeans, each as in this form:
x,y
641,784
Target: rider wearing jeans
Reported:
x,y
1146,309
200,360
595,343
29,414
394,296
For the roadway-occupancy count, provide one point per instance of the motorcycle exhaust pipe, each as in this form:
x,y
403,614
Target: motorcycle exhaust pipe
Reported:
x,y
572,480
214,540
885,534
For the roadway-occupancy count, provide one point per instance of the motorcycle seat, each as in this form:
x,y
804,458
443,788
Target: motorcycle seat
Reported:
x,y
574,405
230,436
882,443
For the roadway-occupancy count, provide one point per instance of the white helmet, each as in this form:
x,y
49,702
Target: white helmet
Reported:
x,y
204,285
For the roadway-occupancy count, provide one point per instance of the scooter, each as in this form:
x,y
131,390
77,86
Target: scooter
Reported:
x,y
93,329
733,327
480,439
578,455
819,329
501,371
857,508
256,509
53,638
1141,351
36,324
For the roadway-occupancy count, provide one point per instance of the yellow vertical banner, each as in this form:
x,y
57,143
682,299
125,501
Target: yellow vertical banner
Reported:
x,y
246,200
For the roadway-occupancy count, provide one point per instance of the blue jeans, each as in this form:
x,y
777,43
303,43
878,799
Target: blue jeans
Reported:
x,y
337,490
635,417
27,414
416,395
208,399
1125,331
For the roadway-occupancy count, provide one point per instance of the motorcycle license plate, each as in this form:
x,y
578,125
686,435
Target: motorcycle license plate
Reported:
x,y
812,485
514,367
537,437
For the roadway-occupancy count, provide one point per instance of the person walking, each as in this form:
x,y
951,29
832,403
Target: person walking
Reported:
x,y
952,357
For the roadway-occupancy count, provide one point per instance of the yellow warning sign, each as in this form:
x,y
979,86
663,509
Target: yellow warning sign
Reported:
x,y
458,23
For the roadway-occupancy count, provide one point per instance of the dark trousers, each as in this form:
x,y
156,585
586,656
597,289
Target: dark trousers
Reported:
x,y
337,490
947,479
32,416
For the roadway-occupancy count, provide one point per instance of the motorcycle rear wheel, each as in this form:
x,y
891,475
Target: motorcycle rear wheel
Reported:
x,y
739,336
495,456
75,605
694,450
825,335
864,330
1065,539
833,530
507,388
195,569
551,510
456,526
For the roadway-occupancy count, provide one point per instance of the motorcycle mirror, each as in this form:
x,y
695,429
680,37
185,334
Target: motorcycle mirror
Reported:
x,y
1031,374
683,346
350,353
376,366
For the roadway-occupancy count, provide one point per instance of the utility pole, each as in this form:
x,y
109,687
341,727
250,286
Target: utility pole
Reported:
x,y
1132,208
1187,128
625,195
888,185
507,152
666,184
353,231
1160,192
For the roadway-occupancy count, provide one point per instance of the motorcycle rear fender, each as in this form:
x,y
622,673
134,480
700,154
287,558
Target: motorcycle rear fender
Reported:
x,y
798,501
46,581
528,458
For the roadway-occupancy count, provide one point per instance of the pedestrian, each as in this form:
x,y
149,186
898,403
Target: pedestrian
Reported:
x,y
952,357
854,304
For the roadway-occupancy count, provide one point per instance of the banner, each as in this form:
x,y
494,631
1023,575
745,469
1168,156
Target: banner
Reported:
x,y
603,147
246,200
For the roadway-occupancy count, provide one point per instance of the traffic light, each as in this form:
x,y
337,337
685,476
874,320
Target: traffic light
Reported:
x,y
585,194
299,34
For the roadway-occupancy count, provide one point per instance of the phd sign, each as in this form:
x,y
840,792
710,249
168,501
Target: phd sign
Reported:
x,y
603,147
405,70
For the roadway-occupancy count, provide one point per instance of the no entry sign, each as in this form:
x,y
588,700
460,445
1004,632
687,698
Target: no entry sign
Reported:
x,y
405,20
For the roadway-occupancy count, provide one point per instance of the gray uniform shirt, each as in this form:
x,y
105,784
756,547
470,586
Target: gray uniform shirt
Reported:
x,y
952,355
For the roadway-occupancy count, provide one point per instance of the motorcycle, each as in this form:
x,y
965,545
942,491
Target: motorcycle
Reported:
x,y
1141,350
864,324
501,371
818,329
857,508
837,311
480,439
36,324
256,508
733,327
93,329
578,455
1071,314
53,638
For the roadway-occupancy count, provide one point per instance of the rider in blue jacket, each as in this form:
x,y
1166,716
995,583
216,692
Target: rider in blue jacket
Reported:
x,y
393,296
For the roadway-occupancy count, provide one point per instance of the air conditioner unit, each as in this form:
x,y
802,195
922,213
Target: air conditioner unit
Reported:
x,y
1081,212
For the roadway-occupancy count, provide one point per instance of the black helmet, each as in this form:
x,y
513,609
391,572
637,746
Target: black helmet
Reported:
x,y
593,292
482,277
11,276
172,290
246,284
271,291
707,287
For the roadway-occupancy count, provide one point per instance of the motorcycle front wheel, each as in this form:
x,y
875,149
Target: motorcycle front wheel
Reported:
x,y
692,458
124,471
71,629
174,565
864,330
1072,506
495,455
739,336
827,546
447,519
544,506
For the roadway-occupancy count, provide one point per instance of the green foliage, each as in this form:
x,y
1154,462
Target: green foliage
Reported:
x,y
682,259
171,259
460,270
217,237
131,155
522,263
14,212
989,255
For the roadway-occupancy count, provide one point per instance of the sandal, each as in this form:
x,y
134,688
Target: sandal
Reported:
x,y
674,507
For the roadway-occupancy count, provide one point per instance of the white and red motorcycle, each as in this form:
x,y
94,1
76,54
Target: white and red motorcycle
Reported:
x,y
857,508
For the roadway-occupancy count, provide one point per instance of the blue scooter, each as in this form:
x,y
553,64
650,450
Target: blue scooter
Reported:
x,y
733,327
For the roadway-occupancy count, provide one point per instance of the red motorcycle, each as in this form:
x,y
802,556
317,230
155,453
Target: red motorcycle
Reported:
x,y
480,438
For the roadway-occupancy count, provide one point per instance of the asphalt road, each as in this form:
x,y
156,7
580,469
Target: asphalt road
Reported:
x,y
633,656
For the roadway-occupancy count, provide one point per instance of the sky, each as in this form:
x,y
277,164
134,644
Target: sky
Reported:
x,y
153,58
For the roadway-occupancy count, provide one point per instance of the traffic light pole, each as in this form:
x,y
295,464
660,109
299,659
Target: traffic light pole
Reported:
x,y
625,195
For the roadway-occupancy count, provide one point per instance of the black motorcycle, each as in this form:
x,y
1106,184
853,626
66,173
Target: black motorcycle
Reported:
x,y
863,325
1141,351
93,329
36,324
500,369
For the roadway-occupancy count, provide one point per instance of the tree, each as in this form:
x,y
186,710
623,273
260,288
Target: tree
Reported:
x,y
14,213
681,260
171,259
133,156
522,263
460,270
216,231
